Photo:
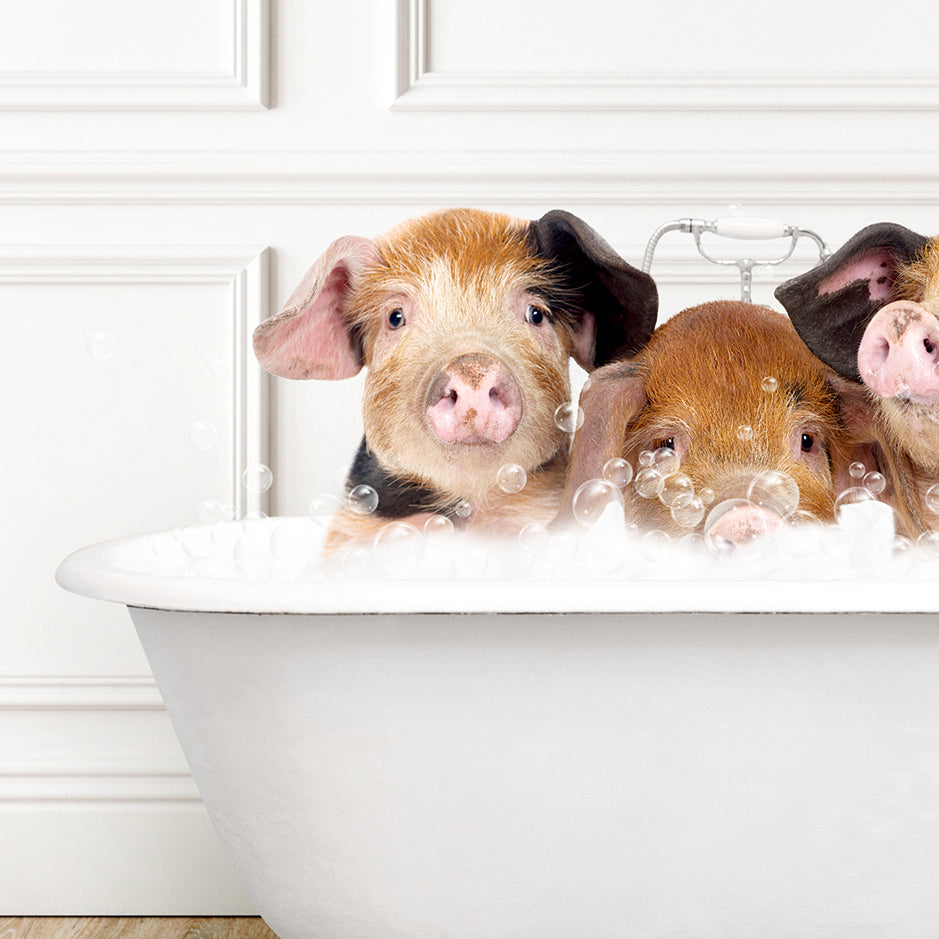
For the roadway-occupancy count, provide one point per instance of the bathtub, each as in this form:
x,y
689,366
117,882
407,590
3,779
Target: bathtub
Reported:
x,y
445,757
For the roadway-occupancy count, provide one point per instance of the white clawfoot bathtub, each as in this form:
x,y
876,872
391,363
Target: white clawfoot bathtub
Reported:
x,y
552,758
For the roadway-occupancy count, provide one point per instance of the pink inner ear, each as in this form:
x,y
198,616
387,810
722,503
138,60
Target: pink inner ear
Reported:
x,y
311,338
583,347
878,267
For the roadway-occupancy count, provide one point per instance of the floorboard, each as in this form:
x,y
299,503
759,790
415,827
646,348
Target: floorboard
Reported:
x,y
131,927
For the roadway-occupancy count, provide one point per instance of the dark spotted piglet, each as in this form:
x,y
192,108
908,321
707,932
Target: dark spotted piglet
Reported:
x,y
872,312
466,321
744,425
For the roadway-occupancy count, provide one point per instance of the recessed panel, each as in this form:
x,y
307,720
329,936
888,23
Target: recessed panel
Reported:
x,y
594,36
111,35
119,418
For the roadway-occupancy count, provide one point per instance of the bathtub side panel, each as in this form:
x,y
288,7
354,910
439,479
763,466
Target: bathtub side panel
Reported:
x,y
601,775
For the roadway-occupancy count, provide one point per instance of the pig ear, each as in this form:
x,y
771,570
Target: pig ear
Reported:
x,y
611,402
311,337
831,305
622,300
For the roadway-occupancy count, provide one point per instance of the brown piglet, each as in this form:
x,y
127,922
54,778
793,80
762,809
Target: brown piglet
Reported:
x,y
466,322
732,424
871,311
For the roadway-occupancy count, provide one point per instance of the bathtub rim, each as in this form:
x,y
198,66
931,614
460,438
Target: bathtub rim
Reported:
x,y
92,572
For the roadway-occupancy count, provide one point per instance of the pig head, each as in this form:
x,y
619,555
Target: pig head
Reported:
x,y
872,312
466,321
732,424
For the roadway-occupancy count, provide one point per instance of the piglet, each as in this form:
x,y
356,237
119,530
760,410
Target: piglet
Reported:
x,y
871,311
742,428
466,321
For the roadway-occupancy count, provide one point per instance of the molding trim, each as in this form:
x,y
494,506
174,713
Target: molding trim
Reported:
x,y
101,782
79,693
537,178
419,88
244,270
245,86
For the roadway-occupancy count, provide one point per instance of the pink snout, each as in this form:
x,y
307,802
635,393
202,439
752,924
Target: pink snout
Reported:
x,y
899,352
474,400
736,525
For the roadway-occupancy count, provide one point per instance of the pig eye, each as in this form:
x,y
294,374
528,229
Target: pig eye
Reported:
x,y
808,441
396,319
667,443
535,315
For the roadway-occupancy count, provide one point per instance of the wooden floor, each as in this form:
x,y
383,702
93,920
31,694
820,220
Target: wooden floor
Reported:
x,y
130,927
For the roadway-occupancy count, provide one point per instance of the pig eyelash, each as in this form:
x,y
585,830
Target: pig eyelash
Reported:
x,y
666,443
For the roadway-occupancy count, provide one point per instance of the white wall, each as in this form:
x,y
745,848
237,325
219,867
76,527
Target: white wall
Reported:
x,y
169,171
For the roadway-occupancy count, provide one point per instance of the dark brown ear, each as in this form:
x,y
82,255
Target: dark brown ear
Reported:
x,y
611,402
622,299
831,305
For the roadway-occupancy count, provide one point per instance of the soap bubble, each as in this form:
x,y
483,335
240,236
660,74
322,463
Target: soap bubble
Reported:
x,y
801,536
855,495
645,458
398,547
674,487
902,556
769,384
874,483
511,478
648,482
472,562
101,345
569,416
438,527
323,507
735,210
932,499
927,544
258,478
745,432
618,471
356,562
666,461
655,546
203,435
857,470
362,499
687,510
592,498
776,491
533,537
707,495
212,511
215,363
463,509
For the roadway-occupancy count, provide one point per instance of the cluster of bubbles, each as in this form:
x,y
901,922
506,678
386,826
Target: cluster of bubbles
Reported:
x,y
256,479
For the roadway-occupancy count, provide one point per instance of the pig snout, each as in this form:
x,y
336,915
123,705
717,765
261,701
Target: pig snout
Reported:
x,y
474,399
899,352
737,525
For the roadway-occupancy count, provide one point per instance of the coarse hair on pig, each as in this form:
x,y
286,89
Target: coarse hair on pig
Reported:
x,y
466,321
871,311
731,389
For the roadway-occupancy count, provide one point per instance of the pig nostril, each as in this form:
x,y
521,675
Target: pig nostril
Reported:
x,y
930,348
